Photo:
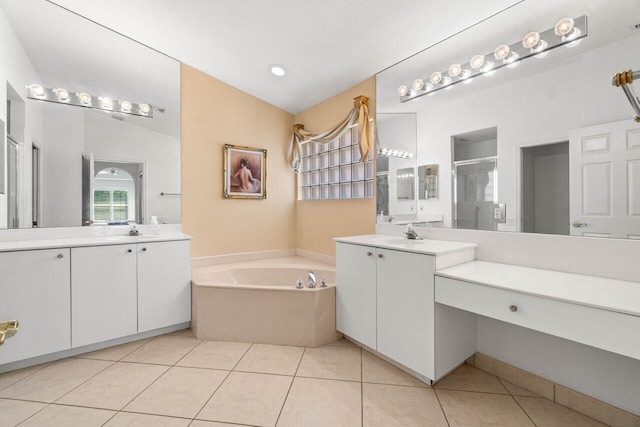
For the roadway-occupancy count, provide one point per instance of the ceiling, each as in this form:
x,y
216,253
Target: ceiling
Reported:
x,y
325,46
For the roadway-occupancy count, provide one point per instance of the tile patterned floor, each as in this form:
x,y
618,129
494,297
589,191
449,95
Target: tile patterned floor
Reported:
x,y
177,380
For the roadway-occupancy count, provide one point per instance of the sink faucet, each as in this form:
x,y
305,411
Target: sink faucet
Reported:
x,y
133,231
312,279
411,233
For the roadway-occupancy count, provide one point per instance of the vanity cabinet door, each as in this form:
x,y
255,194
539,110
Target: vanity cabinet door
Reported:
x,y
405,307
164,284
103,293
356,292
34,289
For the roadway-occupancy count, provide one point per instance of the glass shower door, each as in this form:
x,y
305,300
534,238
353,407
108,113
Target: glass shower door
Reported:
x,y
475,191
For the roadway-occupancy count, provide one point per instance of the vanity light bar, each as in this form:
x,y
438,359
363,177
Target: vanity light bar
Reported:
x,y
394,153
566,32
86,100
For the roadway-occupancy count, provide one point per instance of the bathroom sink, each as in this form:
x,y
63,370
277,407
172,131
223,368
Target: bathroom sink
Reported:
x,y
399,241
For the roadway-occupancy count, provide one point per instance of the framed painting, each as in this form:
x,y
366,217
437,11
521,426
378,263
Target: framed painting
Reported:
x,y
245,172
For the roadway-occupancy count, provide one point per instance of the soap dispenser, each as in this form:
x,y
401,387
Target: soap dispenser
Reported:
x,y
155,228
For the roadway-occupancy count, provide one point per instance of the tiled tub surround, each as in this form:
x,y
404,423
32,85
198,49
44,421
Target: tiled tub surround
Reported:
x,y
257,301
177,380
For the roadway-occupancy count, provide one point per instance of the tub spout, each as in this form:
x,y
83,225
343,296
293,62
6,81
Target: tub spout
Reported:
x,y
312,279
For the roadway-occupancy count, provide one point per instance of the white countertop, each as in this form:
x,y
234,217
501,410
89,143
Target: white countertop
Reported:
x,y
608,294
72,242
426,246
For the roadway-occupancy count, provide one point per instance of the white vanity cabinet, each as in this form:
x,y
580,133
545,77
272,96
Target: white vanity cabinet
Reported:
x,y
103,293
34,289
164,284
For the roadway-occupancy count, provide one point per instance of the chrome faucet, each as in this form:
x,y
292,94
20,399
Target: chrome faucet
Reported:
x,y
133,231
411,233
312,279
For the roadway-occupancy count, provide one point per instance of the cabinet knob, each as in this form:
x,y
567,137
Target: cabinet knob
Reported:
x,y
129,250
369,253
60,256
144,249
513,308
380,256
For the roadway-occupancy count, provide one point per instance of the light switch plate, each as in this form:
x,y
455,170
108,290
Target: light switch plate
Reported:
x,y
498,213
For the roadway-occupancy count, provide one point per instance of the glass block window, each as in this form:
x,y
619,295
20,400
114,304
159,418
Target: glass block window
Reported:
x,y
333,170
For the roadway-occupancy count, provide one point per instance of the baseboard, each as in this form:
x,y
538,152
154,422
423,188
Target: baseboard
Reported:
x,y
564,396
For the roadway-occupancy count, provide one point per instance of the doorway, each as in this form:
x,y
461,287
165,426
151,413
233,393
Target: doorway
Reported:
x,y
13,220
545,189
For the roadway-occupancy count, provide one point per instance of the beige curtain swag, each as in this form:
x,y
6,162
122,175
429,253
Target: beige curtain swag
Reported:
x,y
359,114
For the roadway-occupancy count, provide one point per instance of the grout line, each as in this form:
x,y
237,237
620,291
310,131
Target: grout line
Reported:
x,y
473,391
42,366
523,410
88,379
442,408
295,374
34,414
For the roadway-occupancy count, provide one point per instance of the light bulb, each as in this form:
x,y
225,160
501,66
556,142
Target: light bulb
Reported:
x,y
418,84
455,70
403,90
144,108
61,94
85,98
477,62
37,91
502,52
277,70
436,77
106,102
564,26
531,40
125,106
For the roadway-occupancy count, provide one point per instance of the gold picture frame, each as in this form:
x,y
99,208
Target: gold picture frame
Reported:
x,y
245,172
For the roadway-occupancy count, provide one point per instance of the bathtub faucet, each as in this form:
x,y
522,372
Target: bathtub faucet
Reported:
x,y
312,279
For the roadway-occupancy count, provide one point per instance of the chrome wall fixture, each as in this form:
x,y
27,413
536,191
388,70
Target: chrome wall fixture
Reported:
x,y
566,32
624,80
86,100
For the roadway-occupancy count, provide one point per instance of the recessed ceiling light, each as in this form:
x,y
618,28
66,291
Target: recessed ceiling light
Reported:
x,y
277,70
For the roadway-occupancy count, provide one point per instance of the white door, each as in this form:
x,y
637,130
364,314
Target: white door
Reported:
x,y
605,180
405,308
35,291
164,284
356,292
103,293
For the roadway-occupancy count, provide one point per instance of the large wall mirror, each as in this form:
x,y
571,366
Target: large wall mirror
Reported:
x,y
68,166
547,146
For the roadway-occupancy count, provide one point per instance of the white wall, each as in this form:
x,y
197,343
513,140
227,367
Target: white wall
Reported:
x,y
115,140
17,70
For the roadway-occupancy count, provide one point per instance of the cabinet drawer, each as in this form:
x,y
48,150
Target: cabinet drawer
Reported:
x,y
608,330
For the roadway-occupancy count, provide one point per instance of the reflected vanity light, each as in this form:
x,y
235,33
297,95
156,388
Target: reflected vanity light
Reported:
x,y
566,32
387,152
84,99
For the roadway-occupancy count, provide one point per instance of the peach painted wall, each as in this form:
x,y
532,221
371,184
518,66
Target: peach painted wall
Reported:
x,y
319,221
213,114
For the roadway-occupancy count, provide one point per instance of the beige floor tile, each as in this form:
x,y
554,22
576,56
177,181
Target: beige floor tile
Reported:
x,y
114,353
13,412
468,378
165,350
57,379
376,370
124,419
336,363
271,359
320,403
546,413
400,406
200,423
516,390
247,398
12,377
215,355
180,392
342,342
68,416
114,387
464,409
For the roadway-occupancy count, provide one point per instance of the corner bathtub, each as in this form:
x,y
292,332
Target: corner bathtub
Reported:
x,y
257,301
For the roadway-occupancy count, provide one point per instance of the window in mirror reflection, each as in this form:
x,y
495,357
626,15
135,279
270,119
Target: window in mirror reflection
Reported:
x,y
112,196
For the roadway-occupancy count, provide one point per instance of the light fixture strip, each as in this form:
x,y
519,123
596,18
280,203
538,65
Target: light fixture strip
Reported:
x,y
85,100
517,49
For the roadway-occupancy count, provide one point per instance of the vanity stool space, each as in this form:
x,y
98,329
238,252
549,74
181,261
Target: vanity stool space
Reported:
x,y
385,302
80,294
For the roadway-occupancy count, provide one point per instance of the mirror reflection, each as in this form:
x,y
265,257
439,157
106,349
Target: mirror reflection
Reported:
x,y
548,146
93,163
